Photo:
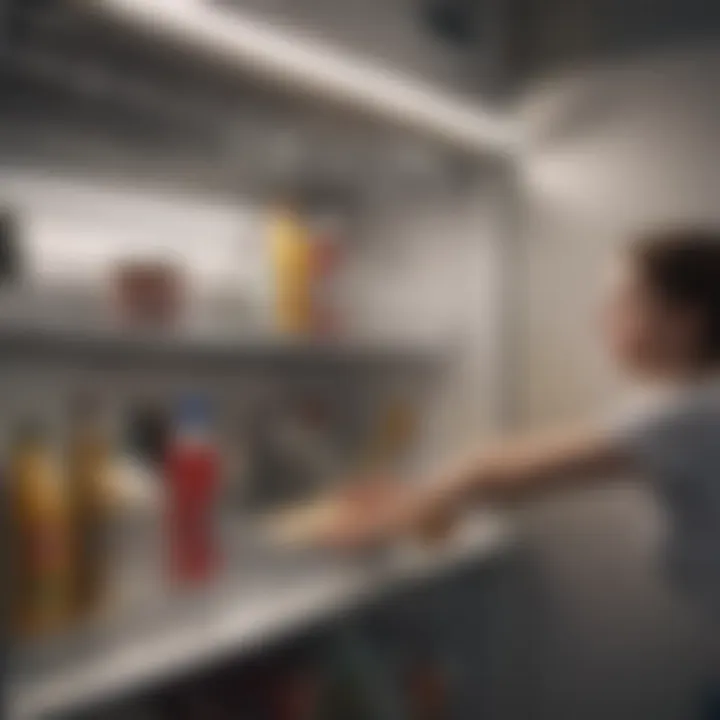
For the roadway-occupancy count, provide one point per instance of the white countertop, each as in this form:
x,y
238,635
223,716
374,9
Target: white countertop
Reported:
x,y
234,619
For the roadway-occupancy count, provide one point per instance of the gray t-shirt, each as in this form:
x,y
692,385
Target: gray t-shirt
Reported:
x,y
676,443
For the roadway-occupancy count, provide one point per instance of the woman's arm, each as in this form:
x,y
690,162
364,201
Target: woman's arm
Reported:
x,y
507,470
516,469
523,466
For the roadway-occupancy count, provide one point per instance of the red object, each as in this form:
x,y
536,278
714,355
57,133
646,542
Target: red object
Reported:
x,y
148,293
297,697
428,693
192,471
327,264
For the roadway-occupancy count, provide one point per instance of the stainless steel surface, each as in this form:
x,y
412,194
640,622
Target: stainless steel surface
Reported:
x,y
111,346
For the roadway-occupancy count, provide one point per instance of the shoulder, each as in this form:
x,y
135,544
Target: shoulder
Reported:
x,y
674,423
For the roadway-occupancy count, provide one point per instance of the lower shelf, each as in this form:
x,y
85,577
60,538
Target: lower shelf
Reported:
x,y
238,618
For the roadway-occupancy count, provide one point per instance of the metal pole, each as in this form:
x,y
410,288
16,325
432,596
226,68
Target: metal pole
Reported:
x,y
511,266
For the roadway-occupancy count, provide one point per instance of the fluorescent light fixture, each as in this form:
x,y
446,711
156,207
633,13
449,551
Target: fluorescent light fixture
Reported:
x,y
300,64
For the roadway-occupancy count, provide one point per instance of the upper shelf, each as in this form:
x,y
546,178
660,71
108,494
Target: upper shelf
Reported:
x,y
115,348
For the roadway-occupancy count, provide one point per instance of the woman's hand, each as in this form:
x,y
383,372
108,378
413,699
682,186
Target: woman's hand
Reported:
x,y
367,513
377,511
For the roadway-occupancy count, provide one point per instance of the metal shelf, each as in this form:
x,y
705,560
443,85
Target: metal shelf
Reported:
x,y
264,604
116,348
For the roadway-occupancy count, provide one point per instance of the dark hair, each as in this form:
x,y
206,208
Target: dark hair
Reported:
x,y
682,265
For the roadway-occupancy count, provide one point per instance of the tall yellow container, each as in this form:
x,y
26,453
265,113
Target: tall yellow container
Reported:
x,y
40,538
88,470
291,254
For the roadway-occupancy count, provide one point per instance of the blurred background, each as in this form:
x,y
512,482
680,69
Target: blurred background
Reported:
x,y
250,249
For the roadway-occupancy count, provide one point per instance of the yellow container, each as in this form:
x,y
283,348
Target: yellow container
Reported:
x,y
41,539
291,251
88,468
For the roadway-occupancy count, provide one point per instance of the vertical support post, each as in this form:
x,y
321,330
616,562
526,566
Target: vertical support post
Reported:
x,y
511,275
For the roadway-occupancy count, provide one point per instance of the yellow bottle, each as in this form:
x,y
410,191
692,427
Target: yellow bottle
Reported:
x,y
292,266
88,470
40,538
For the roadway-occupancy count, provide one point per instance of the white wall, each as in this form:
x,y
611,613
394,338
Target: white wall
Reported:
x,y
618,148
428,268
75,228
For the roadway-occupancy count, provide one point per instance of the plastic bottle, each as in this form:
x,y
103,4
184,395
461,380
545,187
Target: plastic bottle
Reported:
x,y
291,254
328,251
192,471
40,537
88,469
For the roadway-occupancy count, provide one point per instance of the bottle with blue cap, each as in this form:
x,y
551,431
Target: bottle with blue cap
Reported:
x,y
192,472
